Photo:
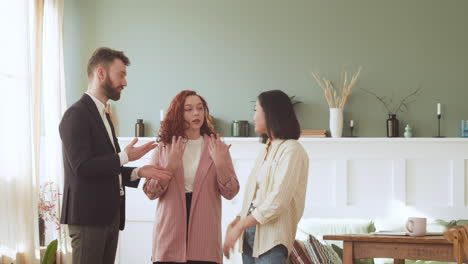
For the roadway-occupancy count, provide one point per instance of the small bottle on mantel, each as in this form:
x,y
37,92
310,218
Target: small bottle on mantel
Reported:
x,y
139,128
392,126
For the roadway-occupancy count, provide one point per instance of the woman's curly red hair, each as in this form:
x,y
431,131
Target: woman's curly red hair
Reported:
x,y
174,123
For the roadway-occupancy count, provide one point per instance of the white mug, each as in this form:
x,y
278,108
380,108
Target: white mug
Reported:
x,y
416,226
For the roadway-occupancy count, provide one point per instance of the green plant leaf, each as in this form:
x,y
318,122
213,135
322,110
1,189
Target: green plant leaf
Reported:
x,y
294,101
49,255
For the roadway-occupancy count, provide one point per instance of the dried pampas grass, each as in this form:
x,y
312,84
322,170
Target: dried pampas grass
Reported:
x,y
337,99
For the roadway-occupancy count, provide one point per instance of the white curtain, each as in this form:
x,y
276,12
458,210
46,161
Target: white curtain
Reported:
x,y
32,102
18,182
53,105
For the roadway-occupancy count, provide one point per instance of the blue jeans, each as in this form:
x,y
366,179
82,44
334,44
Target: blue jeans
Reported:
x,y
277,255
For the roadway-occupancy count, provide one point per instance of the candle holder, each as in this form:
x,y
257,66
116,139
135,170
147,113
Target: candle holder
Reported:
x,y
439,116
351,131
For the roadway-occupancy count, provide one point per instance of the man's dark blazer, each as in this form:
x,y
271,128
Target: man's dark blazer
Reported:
x,y
91,194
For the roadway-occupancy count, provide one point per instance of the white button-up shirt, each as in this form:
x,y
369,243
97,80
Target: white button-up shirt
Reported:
x,y
122,155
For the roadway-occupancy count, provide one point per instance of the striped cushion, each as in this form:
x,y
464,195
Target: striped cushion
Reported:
x,y
319,253
298,254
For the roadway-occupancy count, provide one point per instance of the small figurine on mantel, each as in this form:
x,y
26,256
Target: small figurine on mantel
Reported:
x,y
408,133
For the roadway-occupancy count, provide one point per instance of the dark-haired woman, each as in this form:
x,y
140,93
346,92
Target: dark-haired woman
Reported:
x,y
275,192
187,226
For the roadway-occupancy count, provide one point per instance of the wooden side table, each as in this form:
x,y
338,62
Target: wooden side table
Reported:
x,y
399,248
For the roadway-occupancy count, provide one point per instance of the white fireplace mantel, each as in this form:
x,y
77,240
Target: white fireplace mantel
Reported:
x,y
328,139
363,178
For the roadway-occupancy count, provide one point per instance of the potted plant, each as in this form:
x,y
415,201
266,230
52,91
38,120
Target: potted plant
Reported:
x,y
393,107
48,199
294,101
336,99
50,253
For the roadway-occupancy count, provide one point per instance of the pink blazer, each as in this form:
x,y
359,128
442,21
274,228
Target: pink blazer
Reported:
x,y
204,230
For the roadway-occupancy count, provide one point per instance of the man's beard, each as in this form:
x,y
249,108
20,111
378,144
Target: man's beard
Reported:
x,y
110,90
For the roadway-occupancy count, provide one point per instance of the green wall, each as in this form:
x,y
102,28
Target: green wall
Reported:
x,y
230,51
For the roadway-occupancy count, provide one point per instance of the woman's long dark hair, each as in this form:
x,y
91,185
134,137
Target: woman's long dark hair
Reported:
x,y
281,120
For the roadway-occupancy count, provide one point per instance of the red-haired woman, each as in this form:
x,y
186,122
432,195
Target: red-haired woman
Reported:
x,y
187,227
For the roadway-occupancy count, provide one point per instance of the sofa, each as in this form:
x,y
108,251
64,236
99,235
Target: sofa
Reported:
x,y
318,227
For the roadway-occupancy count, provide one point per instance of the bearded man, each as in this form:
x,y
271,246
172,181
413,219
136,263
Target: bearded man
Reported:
x,y
94,173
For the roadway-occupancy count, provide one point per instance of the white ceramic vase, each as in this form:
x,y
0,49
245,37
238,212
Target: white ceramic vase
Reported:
x,y
336,122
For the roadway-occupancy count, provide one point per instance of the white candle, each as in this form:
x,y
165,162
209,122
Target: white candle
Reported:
x,y
351,123
161,115
438,108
